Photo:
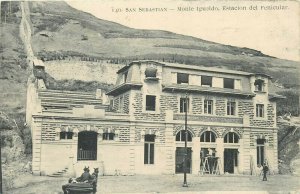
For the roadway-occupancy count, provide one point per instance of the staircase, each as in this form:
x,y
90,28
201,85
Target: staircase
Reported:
x,y
59,173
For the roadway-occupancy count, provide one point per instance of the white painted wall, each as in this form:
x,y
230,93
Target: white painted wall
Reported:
x,y
217,82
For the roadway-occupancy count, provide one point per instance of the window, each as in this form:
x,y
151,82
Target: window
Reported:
x,y
230,108
208,136
260,151
150,72
206,81
259,110
180,136
108,136
121,104
259,85
150,102
184,104
111,104
228,83
182,78
125,75
149,149
205,152
66,135
208,106
231,137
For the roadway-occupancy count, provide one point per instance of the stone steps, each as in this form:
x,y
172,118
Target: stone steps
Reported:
x,y
59,173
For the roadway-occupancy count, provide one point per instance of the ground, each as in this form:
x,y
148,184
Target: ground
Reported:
x,y
28,184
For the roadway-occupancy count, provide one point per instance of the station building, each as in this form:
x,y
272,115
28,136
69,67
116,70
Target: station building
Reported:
x,y
138,127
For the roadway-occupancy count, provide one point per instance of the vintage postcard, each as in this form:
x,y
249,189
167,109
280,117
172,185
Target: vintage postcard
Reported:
x,y
130,96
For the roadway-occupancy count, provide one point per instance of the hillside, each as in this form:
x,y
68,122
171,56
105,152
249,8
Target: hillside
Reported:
x,y
61,31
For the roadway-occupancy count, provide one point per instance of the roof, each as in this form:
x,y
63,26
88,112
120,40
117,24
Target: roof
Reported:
x,y
37,62
200,89
208,69
262,74
276,97
123,88
194,67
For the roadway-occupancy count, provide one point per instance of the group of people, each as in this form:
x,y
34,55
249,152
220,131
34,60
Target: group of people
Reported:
x,y
86,179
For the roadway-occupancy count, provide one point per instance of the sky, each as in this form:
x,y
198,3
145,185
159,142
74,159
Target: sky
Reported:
x,y
268,26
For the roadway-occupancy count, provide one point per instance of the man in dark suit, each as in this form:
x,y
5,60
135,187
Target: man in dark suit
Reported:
x,y
265,170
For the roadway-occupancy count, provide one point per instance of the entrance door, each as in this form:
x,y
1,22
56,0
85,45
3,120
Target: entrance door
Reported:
x,y
230,160
180,156
87,145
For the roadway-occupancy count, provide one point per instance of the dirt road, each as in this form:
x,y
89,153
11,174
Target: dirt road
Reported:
x,y
167,184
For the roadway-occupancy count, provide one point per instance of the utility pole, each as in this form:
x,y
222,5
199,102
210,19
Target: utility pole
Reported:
x,y
0,12
185,143
1,192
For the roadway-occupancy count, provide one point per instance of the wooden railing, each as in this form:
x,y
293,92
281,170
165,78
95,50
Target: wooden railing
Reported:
x,y
87,155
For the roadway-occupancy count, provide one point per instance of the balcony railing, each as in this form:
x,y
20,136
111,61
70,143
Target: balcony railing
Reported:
x,y
204,118
87,155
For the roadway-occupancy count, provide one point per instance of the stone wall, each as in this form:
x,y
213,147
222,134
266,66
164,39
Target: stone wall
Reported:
x,y
140,114
265,134
267,120
83,70
126,103
49,130
247,107
158,131
169,102
125,108
197,105
221,107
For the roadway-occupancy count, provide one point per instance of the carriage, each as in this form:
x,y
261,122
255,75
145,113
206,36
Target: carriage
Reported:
x,y
75,186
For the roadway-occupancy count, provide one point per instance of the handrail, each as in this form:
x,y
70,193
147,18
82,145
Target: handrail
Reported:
x,y
87,155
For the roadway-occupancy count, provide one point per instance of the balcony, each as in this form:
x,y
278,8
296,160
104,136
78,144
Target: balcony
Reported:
x,y
206,118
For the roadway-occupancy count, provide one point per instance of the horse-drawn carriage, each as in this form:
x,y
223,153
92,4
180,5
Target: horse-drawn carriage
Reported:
x,y
85,184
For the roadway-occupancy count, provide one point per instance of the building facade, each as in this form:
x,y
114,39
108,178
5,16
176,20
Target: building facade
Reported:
x,y
139,126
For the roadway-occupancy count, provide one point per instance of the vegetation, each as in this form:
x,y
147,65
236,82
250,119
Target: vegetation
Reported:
x,y
49,23
289,105
78,85
288,147
8,11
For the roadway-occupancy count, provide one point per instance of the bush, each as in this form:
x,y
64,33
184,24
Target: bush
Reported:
x,y
84,37
4,124
27,141
6,141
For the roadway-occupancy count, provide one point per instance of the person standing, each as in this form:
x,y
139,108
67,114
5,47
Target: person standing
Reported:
x,y
265,170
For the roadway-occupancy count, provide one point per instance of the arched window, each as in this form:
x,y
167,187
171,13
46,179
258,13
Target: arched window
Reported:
x,y
208,136
231,137
149,149
259,85
108,136
66,135
260,151
180,136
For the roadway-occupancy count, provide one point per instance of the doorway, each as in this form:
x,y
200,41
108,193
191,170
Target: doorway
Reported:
x,y
180,156
87,145
230,160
